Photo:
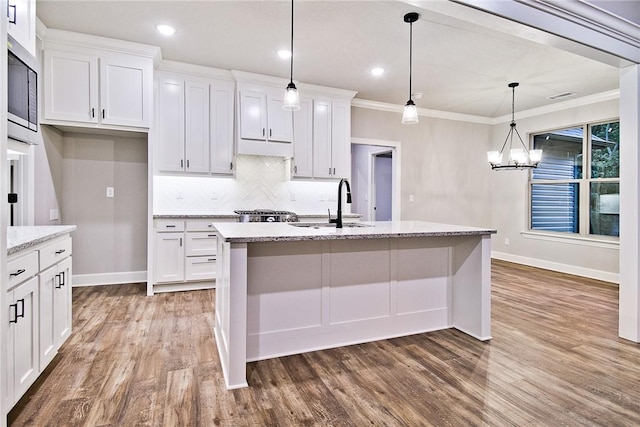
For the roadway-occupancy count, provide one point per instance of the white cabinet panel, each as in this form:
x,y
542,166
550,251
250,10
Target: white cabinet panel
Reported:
x,y
279,119
303,139
124,91
21,23
22,268
341,139
196,128
170,124
70,86
169,257
62,317
200,268
322,167
201,244
222,128
253,115
47,342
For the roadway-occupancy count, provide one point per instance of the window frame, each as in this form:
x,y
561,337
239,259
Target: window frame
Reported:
x,y
584,187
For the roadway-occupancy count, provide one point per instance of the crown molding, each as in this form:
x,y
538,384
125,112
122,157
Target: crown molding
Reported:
x,y
560,106
261,79
424,112
194,70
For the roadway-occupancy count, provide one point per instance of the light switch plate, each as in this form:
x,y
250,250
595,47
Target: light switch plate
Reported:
x,y
110,192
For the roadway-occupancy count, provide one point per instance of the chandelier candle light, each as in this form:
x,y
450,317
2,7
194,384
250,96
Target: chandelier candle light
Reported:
x,y
291,97
519,158
410,113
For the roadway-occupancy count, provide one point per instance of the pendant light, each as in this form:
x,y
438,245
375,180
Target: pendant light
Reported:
x,y
291,97
519,158
410,113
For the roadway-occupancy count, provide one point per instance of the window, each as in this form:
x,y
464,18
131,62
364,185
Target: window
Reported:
x,y
576,187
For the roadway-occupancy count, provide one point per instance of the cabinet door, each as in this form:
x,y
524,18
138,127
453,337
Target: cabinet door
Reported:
x,y
125,88
322,167
280,120
201,243
70,87
303,140
47,341
253,115
170,124
169,257
21,17
222,128
26,368
341,139
62,303
200,268
197,127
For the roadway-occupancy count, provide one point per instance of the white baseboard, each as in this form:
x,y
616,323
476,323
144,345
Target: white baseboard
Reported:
x,y
556,266
118,278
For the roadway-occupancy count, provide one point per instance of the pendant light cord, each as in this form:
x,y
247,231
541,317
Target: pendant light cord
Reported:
x,y
513,104
410,55
291,42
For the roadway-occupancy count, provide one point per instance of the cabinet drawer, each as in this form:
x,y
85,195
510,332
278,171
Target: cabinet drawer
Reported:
x,y
200,268
55,252
201,243
200,225
168,225
21,268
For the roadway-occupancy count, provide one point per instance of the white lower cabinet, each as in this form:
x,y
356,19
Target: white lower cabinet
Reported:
x,y
38,295
185,255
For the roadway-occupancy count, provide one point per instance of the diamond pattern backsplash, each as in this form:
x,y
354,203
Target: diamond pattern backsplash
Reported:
x,y
260,183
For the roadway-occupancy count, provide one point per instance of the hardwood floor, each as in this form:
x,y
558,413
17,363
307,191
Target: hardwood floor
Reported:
x,y
555,359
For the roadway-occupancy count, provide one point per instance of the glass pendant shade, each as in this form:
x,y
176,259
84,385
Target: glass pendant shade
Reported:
x,y
535,156
291,98
410,113
494,157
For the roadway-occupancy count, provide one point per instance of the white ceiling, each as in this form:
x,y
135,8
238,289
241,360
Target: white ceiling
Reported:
x,y
459,65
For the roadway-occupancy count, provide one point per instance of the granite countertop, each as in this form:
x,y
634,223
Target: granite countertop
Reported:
x,y
20,238
235,215
282,232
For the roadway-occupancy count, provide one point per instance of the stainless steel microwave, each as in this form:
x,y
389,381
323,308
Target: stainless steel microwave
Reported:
x,y
22,75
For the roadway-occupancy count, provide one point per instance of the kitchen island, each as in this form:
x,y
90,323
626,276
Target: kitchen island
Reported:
x,y
285,289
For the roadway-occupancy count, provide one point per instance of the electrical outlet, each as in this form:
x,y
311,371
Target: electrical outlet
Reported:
x,y
110,192
411,199
53,214
292,196
179,195
214,196
506,241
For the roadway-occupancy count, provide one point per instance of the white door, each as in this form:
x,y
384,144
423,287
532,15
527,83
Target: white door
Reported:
x,y
62,317
169,257
222,128
123,91
170,124
280,120
70,87
341,139
196,127
322,139
47,284
382,176
303,140
25,364
253,115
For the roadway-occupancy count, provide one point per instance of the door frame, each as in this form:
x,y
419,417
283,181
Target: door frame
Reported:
x,y
396,153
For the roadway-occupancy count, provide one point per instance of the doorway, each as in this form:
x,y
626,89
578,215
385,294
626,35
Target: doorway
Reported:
x,y
375,178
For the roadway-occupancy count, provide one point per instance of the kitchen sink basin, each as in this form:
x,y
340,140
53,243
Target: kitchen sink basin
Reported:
x,y
328,225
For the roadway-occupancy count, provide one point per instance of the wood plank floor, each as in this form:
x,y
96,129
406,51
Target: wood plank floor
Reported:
x,y
555,359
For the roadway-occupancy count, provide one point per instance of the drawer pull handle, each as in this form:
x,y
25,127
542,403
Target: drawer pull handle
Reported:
x,y
211,235
211,259
210,225
170,226
15,313
60,280
21,301
58,252
15,14
17,273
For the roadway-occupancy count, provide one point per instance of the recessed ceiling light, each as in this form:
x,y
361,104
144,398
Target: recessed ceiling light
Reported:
x,y
284,53
165,29
377,71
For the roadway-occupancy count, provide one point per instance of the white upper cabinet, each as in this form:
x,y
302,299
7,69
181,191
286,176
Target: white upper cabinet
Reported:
x,y
194,124
303,139
264,127
89,87
21,23
322,167
331,139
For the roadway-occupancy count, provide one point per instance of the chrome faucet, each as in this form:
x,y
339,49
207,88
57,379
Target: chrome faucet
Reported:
x,y
338,219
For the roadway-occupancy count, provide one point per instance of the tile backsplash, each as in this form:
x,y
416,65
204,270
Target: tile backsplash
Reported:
x,y
260,183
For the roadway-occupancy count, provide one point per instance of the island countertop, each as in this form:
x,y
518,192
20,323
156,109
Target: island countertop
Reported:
x,y
274,232
19,238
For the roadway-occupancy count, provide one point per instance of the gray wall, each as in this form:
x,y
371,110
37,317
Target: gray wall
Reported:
x,y
443,165
112,232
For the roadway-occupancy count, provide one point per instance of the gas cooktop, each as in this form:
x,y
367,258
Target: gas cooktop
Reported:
x,y
266,215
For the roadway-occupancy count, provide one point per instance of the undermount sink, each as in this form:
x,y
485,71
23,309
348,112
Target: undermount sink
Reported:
x,y
326,224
